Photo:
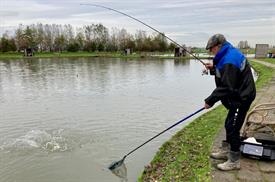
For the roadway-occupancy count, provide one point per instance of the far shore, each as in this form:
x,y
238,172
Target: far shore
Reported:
x,y
158,55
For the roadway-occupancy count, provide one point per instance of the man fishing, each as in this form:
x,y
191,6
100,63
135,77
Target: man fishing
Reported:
x,y
235,88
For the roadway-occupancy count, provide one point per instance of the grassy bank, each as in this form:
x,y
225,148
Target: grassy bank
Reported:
x,y
158,55
269,60
64,55
264,74
248,51
185,156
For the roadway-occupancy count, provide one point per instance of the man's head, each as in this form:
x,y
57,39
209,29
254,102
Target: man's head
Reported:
x,y
215,42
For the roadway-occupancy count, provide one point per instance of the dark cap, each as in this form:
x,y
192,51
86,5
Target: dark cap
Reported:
x,y
217,39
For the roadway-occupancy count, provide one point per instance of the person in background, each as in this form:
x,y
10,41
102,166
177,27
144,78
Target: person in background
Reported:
x,y
235,88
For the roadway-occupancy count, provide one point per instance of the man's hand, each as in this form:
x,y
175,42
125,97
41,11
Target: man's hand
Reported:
x,y
206,106
209,66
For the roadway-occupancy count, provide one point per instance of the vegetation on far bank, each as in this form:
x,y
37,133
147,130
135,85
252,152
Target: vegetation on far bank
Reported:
x,y
185,156
16,55
248,51
118,54
91,38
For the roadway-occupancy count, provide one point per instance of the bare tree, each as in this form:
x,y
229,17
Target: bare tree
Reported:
x,y
94,37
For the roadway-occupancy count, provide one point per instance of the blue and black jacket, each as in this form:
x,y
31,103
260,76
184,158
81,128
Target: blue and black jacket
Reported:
x,y
233,77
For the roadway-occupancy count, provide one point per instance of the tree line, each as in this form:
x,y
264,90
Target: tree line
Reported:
x,y
243,44
94,37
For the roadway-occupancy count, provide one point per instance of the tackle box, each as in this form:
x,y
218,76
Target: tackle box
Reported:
x,y
265,150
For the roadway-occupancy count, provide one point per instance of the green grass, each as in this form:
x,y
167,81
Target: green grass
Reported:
x,y
264,74
269,60
154,55
185,156
248,51
64,54
10,55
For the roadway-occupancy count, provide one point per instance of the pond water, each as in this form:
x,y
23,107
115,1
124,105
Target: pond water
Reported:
x,y
68,119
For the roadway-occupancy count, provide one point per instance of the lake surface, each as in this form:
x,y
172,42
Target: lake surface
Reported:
x,y
68,119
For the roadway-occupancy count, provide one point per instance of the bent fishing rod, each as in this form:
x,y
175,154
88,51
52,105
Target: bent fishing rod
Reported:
x,y
105,7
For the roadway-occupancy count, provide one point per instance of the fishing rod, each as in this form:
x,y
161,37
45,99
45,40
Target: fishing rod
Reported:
x,y
105,7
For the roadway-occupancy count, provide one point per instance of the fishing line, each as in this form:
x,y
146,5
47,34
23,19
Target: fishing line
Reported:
x,y
105,7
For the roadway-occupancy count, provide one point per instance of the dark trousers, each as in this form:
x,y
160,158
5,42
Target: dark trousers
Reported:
x,y
233,123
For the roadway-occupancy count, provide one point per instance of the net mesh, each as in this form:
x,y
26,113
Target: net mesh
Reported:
x,y
119,169
260,122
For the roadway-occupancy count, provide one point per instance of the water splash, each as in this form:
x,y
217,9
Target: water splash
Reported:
x,y
38,139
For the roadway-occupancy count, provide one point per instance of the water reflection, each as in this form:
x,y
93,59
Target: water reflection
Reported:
x,y
178,62
46,74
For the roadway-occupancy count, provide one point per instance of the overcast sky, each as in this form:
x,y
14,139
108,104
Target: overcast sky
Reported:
x,y
189,22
